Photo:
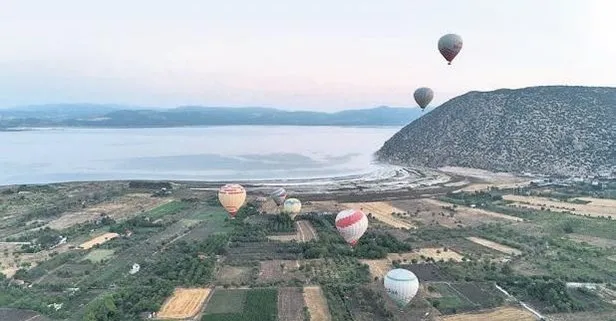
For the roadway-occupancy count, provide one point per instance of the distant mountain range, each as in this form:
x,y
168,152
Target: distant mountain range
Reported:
x,y
91,115
556,130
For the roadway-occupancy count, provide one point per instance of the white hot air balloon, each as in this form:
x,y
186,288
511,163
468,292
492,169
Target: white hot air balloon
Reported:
x,y
292,206
279,196
401,286
351,224
232,197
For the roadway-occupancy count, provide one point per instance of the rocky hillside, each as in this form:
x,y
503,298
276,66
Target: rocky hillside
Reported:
x,y
557,130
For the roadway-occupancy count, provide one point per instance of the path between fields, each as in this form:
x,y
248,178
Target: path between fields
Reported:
x,y
301,231
526,306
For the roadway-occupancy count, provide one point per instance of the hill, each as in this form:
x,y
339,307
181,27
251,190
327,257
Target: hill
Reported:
x,y
115,116
555,130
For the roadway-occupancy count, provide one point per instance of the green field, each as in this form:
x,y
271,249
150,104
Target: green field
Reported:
x,y
96,256
166,209
243,305
450,301
226,301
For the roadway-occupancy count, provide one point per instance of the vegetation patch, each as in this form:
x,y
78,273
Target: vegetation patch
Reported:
x,y
166,209
258,304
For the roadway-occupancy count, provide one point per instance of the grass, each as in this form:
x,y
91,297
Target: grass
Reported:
x,y
96,256
226,301
166,209
449,302
259,305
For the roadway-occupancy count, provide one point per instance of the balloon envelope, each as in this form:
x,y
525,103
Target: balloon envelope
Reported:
x,y
351,225
232,197
423,96
292,206
401,286
449,46
279,196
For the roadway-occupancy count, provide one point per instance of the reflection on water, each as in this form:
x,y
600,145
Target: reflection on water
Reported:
x,y
195,153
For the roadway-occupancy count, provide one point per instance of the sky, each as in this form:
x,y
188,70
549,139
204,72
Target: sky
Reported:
x,y
311,55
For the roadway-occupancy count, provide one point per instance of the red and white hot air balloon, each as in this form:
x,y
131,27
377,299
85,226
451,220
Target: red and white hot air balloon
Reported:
x,y
351,225
232,197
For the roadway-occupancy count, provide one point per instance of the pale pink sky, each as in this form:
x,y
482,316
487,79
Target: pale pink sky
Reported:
x,y
319,54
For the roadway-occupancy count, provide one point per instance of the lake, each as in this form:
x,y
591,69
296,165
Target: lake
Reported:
x,y
189,153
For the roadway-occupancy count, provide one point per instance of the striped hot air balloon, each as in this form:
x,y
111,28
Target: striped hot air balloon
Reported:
x,y
279,196
449,46
292,206
232,197
351,224
401,286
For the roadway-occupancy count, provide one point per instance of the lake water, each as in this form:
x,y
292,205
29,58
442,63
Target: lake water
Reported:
x,y
189,153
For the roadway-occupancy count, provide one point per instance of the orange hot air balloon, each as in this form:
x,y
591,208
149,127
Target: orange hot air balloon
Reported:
x,y
232,197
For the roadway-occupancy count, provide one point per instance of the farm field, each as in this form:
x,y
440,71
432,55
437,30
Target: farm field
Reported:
x,y
184,303
278,270
305,233
290,304
96,256
475,211
499,314
316,303
496,246
253,251
464,296
98,240
234,274
256,304
118,209
595,207
380,267
596,241
383,212
431,212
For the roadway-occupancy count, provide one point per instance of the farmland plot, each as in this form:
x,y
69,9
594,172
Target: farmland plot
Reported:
x,y
278,270
592,240
119,209
495,246
226,301
435,253
427,272
255,251
433,212
96,256
290,304
595,207
235,274
305,233
476,212
183,303
316,303
98,240
383,212
243,305
500,314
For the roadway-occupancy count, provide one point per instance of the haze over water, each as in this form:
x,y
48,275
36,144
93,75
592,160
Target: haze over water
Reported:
x,y
188,153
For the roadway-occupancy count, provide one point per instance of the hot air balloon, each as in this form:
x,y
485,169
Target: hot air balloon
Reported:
x,y
423,96
401,286
279,195
292,206
232,197
450,45
351,224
